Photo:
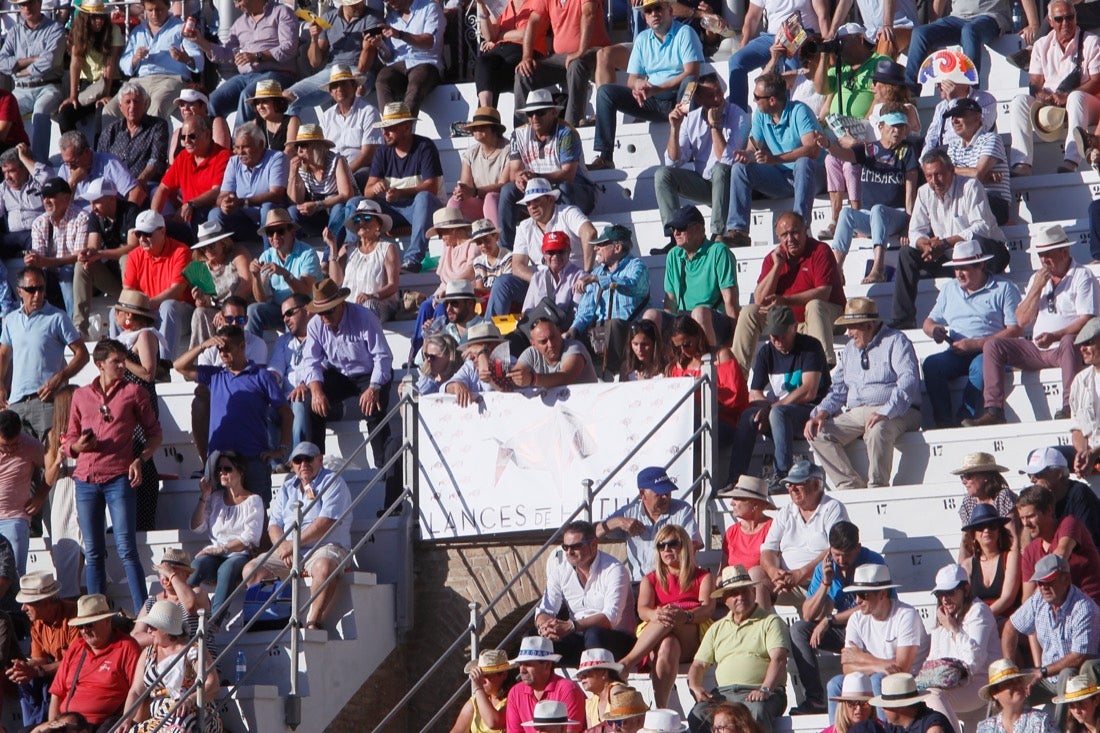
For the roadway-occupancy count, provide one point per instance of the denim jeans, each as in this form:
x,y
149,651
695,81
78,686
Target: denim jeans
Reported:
x,y
1094,229
774,182
973,35
243,222
672,184
226,571
941,368
416,213
39,103
579,192
752,55
233,93
881,222
506,290
17,532
785,422
612,98
314,224
264,316
119,498
34,701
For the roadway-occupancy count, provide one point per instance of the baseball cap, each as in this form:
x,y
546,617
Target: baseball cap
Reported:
x,y
54,186
1041,459
964,105
780,318
949,578
555,242
305,448
684,217
148,222
100,188
656,480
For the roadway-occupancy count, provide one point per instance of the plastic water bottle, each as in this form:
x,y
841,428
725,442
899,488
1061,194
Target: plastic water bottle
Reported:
x,y
1017,16
242,666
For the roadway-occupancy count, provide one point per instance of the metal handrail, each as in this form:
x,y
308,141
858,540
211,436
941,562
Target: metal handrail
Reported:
x,y
706,378
291,535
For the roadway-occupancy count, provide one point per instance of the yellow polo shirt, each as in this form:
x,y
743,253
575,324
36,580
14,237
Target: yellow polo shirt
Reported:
x,y
741,650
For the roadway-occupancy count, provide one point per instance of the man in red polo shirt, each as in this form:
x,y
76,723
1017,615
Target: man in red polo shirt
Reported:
x,y
192,182
12,132
97,670
155,267
800,272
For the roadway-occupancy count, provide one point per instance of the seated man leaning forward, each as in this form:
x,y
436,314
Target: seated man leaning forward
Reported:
x,y
877,380
325,498
750,648
551,360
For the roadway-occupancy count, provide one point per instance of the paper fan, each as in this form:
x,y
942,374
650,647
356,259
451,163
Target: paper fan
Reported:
x,y
948,64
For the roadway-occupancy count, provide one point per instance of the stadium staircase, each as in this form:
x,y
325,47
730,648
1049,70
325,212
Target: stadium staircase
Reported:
x,y
914,523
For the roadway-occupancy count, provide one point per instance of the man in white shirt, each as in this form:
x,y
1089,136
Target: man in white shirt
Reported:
x,y
546,216
596,587
884,636
1061,298
949,209
798,539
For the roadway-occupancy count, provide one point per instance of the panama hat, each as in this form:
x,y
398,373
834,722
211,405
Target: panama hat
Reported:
x,y
1001,671
592,659
539,99
483,228
662,721
624,703
549,714
91,608
395,113
34,587
135,301
340,73
967,253
166,616
536,649
366,209
277,217
1048,237
538,187
731,578
485,332
858,310
486,117
870,577
1048,122
490,661
447,218
979,463
1080,687
174,556
898,690
748,487
458,289
326,296
310,133
210,232
267,89
856,687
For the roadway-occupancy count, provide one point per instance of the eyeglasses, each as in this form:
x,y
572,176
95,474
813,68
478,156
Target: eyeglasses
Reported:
x,y
968,475
1062,18
299,460
236,320
575,547
538,112
864,360
105,413
32,289
278,231
670,545
289,312
226,469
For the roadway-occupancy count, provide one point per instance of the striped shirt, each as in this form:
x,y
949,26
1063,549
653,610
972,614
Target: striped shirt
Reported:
x,y
890,378
981,145
547,157
487,273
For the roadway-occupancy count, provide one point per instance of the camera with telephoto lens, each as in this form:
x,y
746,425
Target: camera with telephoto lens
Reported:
x,y
814,45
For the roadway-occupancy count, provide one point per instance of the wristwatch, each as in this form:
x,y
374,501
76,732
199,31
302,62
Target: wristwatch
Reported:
x,y
766,690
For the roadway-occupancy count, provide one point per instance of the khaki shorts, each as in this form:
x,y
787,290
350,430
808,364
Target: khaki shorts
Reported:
x,y
329,551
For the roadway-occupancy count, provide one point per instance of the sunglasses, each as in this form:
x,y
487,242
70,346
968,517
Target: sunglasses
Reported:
x,y
188,137
278,231
758,97
1062,18
670,545
236,320
289,312
682,346
32,289
968,475
226,469
857,703
575,547
538,112
430,357
105,413
299,460
861,594
1050,303
864,360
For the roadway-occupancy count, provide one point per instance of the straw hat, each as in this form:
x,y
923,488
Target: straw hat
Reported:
x,y
458,289
166,616
490,661
90,609
967,253
483,228
326,296
624,703
93,7
731,578
870,577
1078,688
979,463
538,187
267,89
1000,671
342,72
310,133
662,721
368,208
210,232
748,487
34,587
549,714
1048,237
1048,122
858,310
536,649
277,217
539,99
447,218
485,117
898,690
176,556
135,301
856,687
485,332
395,113
593,659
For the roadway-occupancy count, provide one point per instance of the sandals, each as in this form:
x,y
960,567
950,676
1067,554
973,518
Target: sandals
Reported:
x,y
873,277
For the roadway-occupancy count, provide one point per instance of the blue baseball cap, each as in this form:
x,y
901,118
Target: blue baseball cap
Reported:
x,y
656,480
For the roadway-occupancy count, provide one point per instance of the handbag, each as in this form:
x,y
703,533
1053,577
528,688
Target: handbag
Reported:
x,y
1073,78
276,615
942,674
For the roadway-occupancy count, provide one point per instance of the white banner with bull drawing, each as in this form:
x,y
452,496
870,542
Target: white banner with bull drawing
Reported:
x,y
515,463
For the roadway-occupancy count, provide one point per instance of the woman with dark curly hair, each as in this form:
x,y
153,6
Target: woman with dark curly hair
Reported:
x,y
95,44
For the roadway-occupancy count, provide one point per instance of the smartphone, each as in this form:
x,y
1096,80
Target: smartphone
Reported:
x,y
760,145
88,434
375,31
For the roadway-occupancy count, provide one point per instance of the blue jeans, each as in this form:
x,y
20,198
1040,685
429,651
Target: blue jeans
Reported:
x,y
416,213
785,422
774,182
1094,229
39,103
34,700
17,532
579,192
941,368
506,290
833,689
243,222
753,55
973,35
881,222
119,498
226,571
314,224
267,315
233,93
612,98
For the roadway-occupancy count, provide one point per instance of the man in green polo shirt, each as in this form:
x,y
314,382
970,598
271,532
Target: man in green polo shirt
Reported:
x,y
700,279
750,647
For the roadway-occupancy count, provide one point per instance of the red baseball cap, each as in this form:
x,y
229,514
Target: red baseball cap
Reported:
x,y
555,242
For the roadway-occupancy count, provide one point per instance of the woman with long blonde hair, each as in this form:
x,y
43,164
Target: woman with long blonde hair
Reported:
x,y
854,704
675,606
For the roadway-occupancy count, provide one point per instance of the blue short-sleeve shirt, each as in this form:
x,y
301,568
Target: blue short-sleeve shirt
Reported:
x,y
302,260
660,60
785,135
38,344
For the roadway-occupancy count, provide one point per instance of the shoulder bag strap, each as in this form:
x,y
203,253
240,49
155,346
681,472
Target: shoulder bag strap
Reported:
x,y
76,678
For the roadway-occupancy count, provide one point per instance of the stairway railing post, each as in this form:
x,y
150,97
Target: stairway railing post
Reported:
x,y
708,414
293,708
475,641
200,691
410,426
589,498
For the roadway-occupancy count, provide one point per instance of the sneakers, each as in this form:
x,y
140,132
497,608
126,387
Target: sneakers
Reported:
x,y
410,266
991,416
600,163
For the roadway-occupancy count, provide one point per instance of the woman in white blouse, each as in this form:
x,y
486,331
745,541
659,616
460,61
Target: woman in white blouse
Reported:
x,y
369,266
966,631
233,518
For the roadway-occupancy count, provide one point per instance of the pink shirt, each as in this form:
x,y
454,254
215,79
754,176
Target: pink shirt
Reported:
x,y
521,703
127,406
1050,61
16,469
454,261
